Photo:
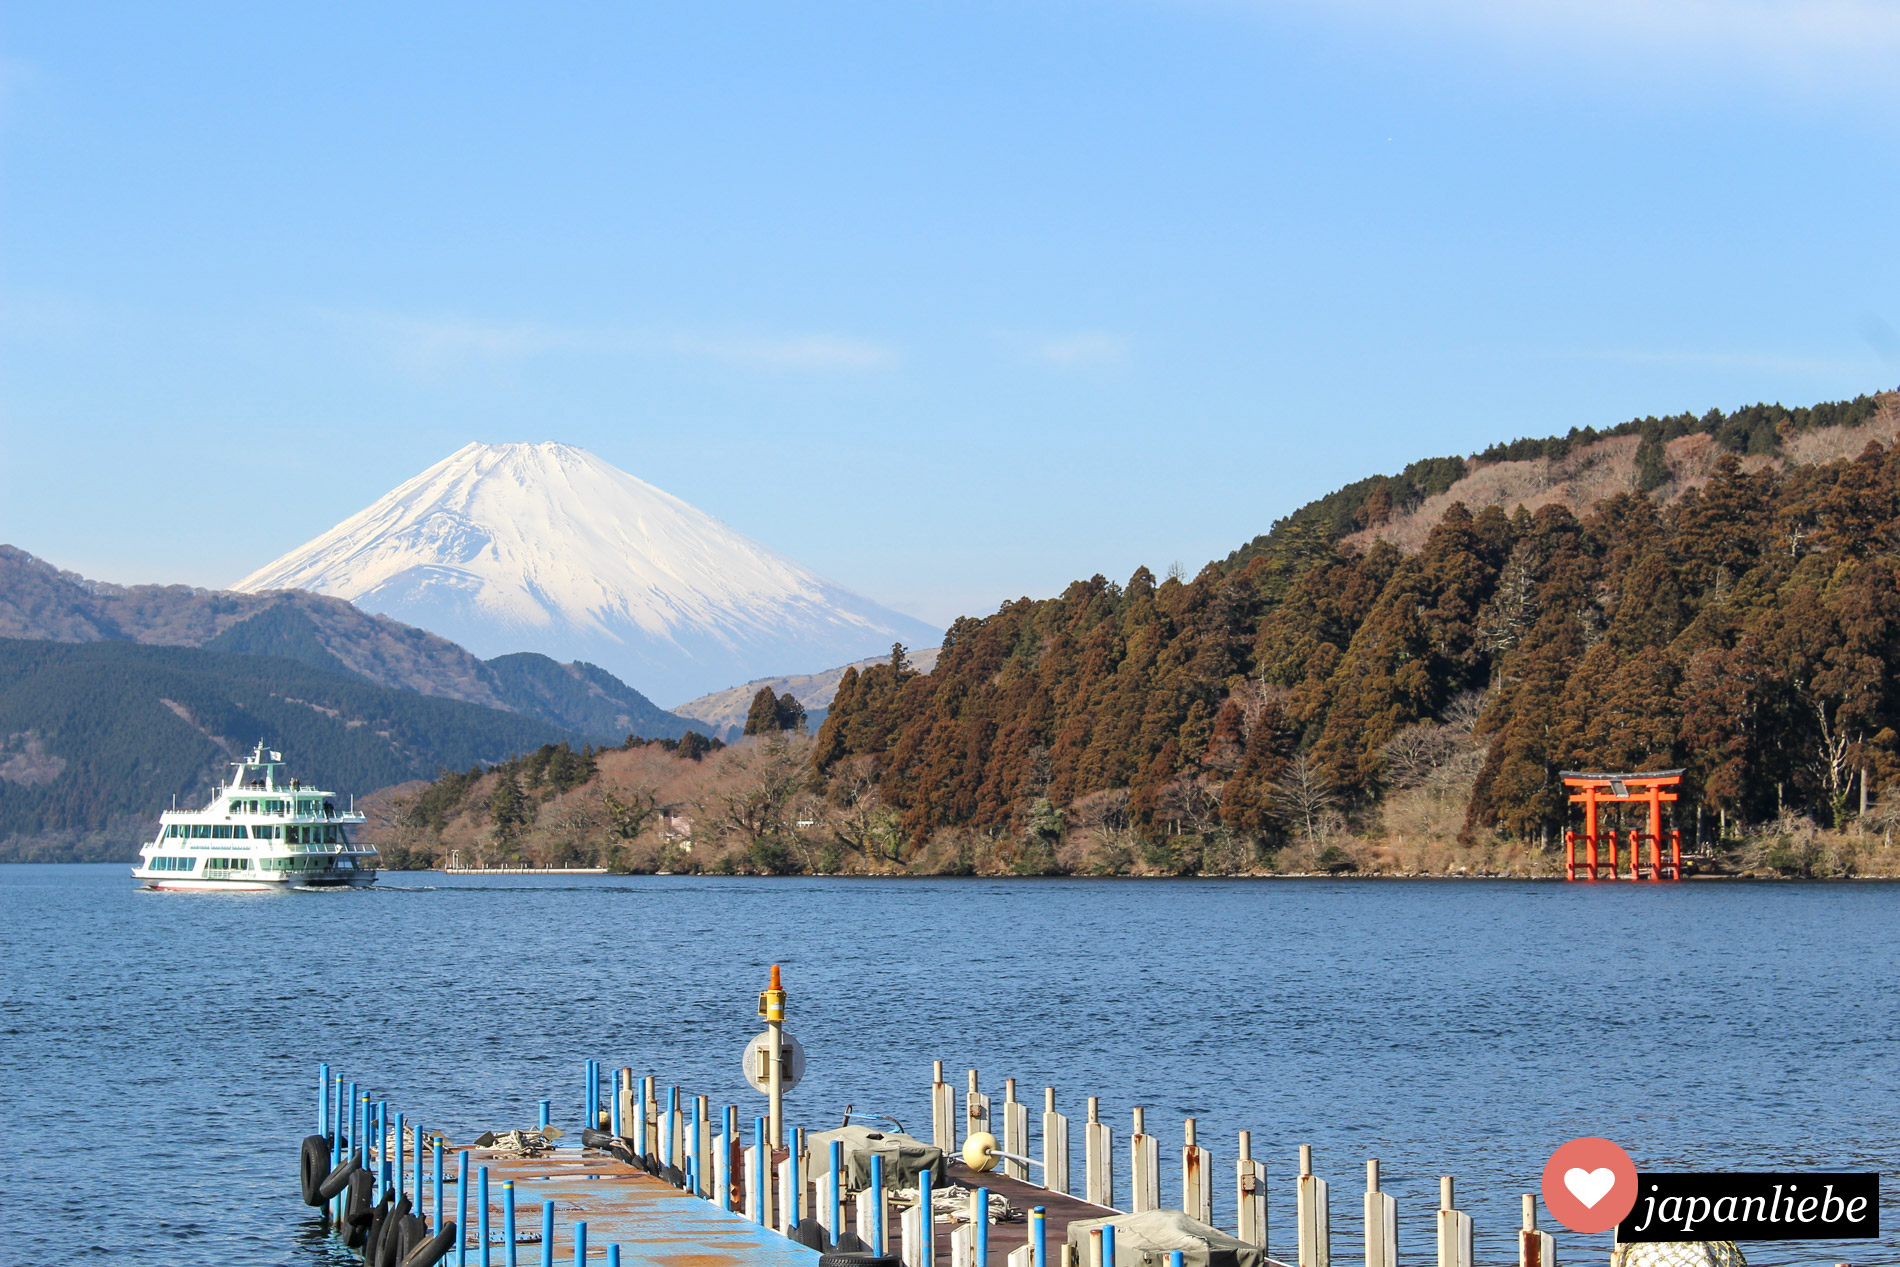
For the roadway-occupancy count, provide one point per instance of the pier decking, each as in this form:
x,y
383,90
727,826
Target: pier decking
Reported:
x,y
653,1223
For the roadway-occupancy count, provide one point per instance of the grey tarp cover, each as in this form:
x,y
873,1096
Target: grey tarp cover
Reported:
x,y
1143,1240
904,1158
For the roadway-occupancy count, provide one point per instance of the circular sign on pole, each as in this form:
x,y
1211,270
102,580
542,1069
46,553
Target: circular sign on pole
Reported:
x,y
759,1073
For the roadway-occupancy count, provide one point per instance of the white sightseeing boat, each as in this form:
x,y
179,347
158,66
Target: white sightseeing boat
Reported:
x,y
261,831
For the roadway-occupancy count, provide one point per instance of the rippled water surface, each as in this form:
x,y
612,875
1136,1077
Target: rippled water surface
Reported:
x,y
158,1052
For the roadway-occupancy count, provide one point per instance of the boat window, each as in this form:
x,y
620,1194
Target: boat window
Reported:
x,y
239,833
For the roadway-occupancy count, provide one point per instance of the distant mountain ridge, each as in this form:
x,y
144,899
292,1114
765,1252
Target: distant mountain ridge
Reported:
x,y
96,737
546,546
39,601
724,712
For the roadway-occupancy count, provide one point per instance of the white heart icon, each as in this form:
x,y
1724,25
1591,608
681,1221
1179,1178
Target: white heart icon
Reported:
x,y
1589,1186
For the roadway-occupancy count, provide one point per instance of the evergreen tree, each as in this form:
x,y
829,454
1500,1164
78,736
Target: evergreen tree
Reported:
x,y
763,718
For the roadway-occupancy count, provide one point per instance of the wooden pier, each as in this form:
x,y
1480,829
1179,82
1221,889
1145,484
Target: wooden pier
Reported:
x,y
648,1220
665,1178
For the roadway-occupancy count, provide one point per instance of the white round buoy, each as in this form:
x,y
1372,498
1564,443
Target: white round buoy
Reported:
x,y
979,1151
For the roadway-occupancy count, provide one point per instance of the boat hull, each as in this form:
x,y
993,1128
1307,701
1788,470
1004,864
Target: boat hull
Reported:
x,y
189,885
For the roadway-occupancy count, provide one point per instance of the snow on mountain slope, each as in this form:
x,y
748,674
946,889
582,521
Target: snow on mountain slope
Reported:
x,y
545,547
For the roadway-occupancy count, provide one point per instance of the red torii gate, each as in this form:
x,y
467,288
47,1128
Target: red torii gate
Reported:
x,y
1590,790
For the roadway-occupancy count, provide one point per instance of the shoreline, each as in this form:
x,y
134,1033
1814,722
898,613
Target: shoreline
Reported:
x,y
1357,876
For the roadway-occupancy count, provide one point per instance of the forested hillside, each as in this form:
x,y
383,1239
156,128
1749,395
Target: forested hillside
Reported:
x,y
1326,699
1748,631
96,738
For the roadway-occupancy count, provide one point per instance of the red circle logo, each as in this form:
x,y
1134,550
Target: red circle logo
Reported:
x,y
1589,1185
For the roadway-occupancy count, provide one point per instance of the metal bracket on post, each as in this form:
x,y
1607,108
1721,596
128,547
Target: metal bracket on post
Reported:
x,y
1197,1164
1015,1131
976,1110
1144,1167
1055,1145
1314,1214
1098,1158
943,1111
1250,1195
1534,1248
1454,1229
1382,1221
650,1117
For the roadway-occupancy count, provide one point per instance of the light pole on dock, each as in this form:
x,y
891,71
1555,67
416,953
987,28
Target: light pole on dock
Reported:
x,y
772,1008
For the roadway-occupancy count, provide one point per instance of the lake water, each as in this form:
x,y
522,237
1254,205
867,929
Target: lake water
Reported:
x,y
158,1052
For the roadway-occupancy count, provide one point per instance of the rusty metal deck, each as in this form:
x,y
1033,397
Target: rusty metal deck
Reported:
x,y
654,1223
1059,1208
658,1225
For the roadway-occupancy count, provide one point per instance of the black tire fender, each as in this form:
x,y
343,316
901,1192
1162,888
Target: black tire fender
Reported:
x,y
389,1244
431,1251
313,1166
337,1179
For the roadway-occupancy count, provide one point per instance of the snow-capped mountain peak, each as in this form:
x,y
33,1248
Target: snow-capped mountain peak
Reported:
x,y
545,547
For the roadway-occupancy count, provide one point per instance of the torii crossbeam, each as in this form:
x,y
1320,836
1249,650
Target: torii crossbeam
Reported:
x,y
1592,789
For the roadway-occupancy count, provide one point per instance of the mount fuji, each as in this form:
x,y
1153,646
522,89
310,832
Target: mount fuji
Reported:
x,y
545,547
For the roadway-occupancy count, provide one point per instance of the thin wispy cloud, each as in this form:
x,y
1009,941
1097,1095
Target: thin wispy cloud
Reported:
x,y
1846,46
437,343
811,351
1071,350
1085,348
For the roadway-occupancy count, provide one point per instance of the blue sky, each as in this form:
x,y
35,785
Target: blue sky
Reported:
x,y
953,302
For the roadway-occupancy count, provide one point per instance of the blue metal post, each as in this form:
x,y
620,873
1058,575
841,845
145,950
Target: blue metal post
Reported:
x,y
587,1101
837,1188
437,1225
927,1216
483,1198
336,1146
461,1212
508,1220
547,1234
795,1181
382,1147
359,1127
418,1200
980,1236
1039,1237
398,1183
323,1098
762,1181
1108,1242
613,1255
544,1114
1175,1258
877,1204
580,1244
692,1151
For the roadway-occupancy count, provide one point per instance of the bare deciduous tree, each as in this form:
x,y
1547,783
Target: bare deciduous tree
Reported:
x,y
1303,796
